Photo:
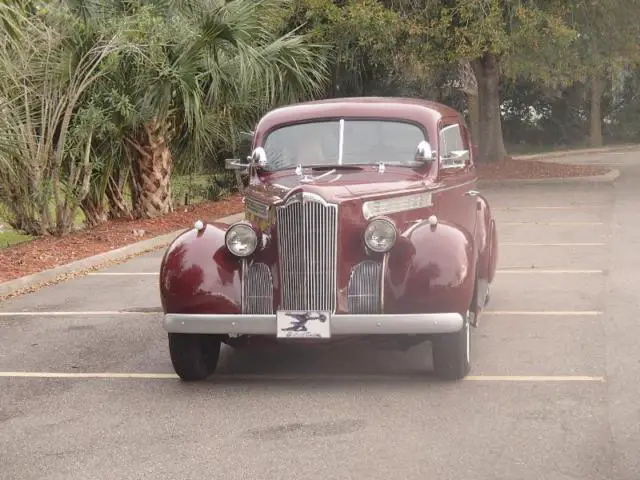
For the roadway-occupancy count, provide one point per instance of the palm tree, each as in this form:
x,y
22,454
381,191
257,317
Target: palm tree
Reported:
x,y
194,75
46,125
96,94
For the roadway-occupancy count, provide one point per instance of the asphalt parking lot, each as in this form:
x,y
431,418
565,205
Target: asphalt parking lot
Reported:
x,y
87,390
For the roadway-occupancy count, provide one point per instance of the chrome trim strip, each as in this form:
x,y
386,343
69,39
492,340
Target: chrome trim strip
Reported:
x,y
243,280
437,188
383,271
377,324
397,204
341,144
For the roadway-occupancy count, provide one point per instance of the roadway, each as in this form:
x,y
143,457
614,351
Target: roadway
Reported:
x,y
87,390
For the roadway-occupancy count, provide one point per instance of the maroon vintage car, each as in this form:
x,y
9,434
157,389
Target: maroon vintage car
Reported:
x,y
361,219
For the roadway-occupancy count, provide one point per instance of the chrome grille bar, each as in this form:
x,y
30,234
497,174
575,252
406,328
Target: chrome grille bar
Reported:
x,y
307,236
365,285
257,289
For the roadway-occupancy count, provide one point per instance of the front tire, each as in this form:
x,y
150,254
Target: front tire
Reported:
x,y
451,353
194,356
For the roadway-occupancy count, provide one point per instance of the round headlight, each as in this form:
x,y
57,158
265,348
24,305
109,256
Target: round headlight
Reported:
x,y
241,240
380,235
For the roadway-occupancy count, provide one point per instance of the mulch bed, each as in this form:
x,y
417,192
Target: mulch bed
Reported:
x,y
530,169
48,252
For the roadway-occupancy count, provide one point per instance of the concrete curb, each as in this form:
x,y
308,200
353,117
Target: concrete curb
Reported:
x,y
95,262
608,177
585,151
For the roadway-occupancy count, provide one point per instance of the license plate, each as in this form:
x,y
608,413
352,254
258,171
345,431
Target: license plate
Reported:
x,y
303,324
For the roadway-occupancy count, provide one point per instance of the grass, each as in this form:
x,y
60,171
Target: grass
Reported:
x,y
11,237
192,188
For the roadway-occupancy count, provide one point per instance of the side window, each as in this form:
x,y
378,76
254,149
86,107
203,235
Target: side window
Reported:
x,y
454,146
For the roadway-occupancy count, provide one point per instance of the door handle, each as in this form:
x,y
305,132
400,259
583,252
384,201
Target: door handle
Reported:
x,y
472,193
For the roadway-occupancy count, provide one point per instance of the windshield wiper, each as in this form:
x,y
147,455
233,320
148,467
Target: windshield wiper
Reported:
x,y
320,168
308,179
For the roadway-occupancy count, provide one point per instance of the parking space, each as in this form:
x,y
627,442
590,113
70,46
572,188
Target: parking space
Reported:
x,y
535,406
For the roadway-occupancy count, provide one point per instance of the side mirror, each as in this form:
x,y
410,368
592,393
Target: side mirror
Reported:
x,y
246,136
424,153
259,157
234,164
456,158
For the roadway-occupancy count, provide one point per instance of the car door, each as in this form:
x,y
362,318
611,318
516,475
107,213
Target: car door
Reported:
x,y
456,175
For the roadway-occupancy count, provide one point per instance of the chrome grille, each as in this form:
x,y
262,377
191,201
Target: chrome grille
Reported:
x,y
257,289
307,233
365,287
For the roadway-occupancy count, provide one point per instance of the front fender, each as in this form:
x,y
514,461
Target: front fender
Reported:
x,y
199,275
430,270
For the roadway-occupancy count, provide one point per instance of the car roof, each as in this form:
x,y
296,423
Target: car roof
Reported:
x,y
417,110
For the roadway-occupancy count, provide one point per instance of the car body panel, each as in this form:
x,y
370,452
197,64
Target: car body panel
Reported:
x,y
446,247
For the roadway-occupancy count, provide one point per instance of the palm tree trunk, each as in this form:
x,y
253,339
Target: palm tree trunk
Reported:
x,y
118,207
152,166
94,212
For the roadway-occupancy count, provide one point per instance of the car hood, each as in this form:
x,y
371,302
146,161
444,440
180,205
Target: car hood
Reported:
x,y
341,185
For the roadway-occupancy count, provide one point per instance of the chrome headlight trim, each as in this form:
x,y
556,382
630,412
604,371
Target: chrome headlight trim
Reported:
x,y
380,235
241,239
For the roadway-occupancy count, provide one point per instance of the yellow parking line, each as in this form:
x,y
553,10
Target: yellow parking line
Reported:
x,y
584,224
527,244
86,375
534,378
76,314
549,207
115,274
276,377
588,313
525,270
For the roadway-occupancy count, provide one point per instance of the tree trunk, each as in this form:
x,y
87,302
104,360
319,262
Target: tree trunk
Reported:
x,y
152,168
474,115
595,129
118,207
94,212
489,135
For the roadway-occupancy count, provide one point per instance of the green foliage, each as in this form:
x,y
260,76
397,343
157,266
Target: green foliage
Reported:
x,y
43,88
530,38
367,40
202,69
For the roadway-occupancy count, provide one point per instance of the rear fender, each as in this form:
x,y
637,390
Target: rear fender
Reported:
x,y
198,274
487,241
430,269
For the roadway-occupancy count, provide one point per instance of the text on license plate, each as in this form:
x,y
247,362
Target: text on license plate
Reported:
x,y
303,324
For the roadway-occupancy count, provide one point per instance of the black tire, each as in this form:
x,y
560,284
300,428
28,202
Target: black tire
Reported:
x,y
194,356
451,360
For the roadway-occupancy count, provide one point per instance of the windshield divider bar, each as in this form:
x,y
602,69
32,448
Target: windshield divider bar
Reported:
x,y
341,145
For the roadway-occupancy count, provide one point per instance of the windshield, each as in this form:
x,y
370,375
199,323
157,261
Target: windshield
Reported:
x,y
364,142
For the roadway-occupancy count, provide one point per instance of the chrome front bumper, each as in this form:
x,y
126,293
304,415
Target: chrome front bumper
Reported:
x,y
390,324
